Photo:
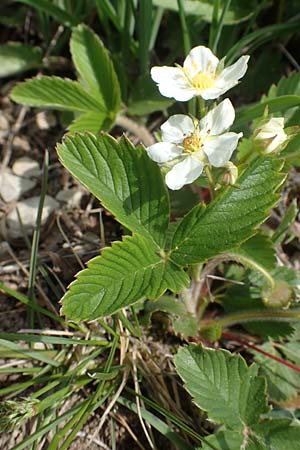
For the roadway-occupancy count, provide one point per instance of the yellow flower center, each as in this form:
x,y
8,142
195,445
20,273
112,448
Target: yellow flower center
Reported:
x,y
192,143
203,80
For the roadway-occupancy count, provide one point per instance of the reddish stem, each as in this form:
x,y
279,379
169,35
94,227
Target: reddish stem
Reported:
x,y
263,352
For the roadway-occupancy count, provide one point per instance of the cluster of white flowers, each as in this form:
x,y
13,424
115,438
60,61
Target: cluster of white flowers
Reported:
x,y
188,145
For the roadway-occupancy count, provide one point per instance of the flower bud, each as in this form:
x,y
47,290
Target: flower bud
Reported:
x,y
270,135
231,174
278,296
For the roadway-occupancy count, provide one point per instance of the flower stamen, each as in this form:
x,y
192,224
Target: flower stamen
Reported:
x,y
192,143
203,80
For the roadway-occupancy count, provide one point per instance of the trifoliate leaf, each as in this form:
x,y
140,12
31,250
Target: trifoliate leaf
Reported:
x,y
95,68
223,385
125,273
123,178
232,217
55,93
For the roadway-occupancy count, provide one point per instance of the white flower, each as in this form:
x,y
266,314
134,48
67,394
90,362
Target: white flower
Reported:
x,y
271,135
202,74
188,145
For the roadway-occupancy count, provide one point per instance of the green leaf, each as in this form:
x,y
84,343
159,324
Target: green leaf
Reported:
x,y
224,440
248,298
277,435
282,381
286,86
223,385
258,252
55,93
16,58
285,224
232,217
237,12
123,178
93,122
49,8
95,68
280,104
127,272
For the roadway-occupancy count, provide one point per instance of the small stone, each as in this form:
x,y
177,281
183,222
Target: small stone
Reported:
x,y
72,197
45,120
21,143
28,211
26,167
12,186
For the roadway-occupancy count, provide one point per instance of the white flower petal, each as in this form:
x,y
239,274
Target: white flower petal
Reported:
x,y
176,128
166,74
216,91
219,119
219,149
200,59
185,172
236,71
172,83
162,152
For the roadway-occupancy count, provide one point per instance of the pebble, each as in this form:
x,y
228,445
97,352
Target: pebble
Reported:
x,y
72,197
26,167
12,186
45,120
21,143
28,211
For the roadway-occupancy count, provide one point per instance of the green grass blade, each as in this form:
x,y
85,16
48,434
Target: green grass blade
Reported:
x,y
36,240
53,10
158,424
26,301
33,354
144,31
260,37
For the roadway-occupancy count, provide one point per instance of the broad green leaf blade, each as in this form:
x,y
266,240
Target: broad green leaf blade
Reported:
x,y
92,122
125,273
258,253
48,7
95,68
224,440
16,58
223,385
237,12
277,435
55,93
232,217
123,178
279,104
